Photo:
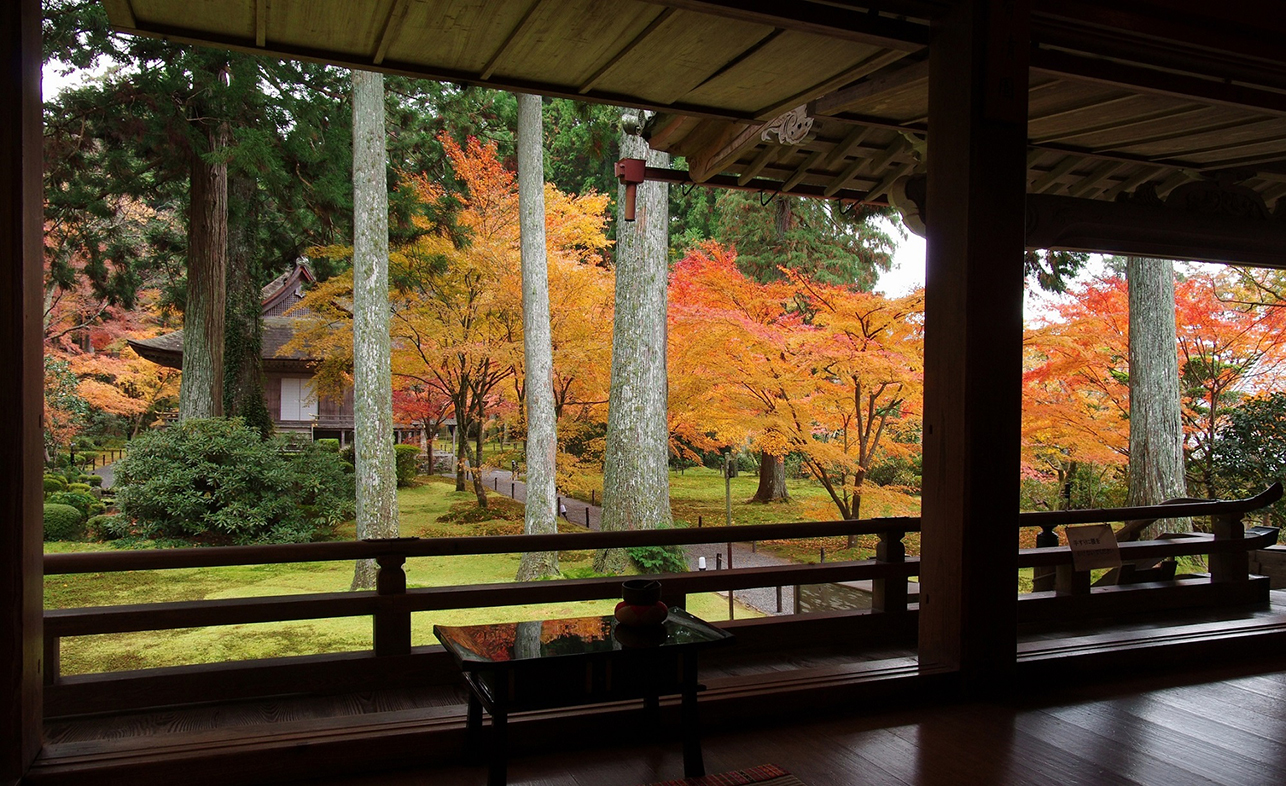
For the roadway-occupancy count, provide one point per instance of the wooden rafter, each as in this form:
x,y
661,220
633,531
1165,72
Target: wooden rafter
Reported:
x,y
723,150
1176,179
391,27
494,60
624,51
1087,184
1144,174
1151,117
1086,106
741,56
841,150
1051,177
884,185
801,171
765,156
873,87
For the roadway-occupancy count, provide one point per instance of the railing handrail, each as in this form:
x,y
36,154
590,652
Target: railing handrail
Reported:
x,y
1177,509
221,556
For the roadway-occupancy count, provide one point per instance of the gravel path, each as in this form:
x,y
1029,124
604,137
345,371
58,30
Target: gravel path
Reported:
x,y
105,472
763,599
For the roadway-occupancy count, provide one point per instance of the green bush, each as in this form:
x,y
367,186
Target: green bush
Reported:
x,y
405,456
55,483
659,559
219,481
86,503
78,487
107,527
63,522
349,455
95,480
329,444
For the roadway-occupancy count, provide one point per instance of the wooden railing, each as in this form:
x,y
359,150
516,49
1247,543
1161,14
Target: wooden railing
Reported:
x,y
391,605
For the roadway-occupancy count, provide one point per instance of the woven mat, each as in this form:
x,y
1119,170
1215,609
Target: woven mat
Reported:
x,y
766,775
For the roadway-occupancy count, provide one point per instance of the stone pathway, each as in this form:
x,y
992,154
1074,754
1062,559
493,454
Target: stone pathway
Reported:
x,y
763,599
107,474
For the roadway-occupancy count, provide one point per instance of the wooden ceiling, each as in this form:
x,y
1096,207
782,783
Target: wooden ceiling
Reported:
x,y
1122,92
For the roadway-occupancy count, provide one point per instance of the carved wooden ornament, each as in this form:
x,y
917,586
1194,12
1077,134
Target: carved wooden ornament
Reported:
x,y
790,127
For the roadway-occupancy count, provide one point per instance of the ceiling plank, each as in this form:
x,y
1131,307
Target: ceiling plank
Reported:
x,y
871,88
823,20
749,51
1151,117
396,15
1097,103
1242,163
868,66
121,12
490,67
1107,72
261,22
621,53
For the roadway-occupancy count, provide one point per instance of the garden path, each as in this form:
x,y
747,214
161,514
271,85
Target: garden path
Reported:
x,y
763,599
105,472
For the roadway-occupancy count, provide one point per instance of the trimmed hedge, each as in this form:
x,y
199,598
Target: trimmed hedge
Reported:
x,y
405,456
78,487
82,501
55,483
329,444
95,480
63,522
107,527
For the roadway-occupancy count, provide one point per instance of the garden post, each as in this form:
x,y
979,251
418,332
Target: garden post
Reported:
x,y
889,595
1231,566
392,632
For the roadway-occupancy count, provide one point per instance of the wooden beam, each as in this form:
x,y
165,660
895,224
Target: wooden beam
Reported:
x,y
621,53
392,26
21,389
1087,184
494,60
1058,170
261,22
1126,228
977,177
801,172
841,150
842,178
828,20
1065,65
869,65
723,151
1086,106
884,185
121,12
1138,178
875,86
768,154
1151,117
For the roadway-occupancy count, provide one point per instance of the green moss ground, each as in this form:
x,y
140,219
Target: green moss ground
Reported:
x,y
420,510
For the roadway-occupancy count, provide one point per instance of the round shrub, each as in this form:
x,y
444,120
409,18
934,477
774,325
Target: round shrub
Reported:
x,y
329,444
218,481
55,483
80,500
63,522
107,527
95,480
78,487
405,456
349,454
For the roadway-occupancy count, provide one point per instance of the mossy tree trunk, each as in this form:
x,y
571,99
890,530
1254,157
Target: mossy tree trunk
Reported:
x,y
636,477
541,515
372,364
243,316
772,479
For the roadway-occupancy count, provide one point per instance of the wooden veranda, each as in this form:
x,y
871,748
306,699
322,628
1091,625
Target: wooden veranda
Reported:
x,y
1130,126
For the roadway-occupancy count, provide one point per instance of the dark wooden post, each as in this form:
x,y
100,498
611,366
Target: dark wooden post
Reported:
x,y
977,149
1042,579
21,389
889,595
392,619
1230,566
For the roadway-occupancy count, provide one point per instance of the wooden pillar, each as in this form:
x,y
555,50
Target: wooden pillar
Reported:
x,y
973,340
21,389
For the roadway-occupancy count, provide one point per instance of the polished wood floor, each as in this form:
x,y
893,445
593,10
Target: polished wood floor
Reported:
x,y
1209,726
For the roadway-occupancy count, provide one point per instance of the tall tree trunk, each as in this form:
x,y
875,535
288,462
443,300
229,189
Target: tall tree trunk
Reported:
x,y
636,477
479,487
1156,430
201,385
772,479
372,364
243,328
541,515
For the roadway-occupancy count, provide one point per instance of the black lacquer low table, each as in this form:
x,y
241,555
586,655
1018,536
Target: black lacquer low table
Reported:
x,y
519,666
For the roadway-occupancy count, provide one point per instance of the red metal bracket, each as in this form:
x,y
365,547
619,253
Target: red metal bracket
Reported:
x,y
631,172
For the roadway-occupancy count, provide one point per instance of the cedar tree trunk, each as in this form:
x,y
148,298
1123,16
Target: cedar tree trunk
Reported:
x,y
201,385
636,466
243,328
772,479
372,365
541,516
1156,430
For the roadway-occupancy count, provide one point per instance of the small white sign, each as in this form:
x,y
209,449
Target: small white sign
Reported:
x,y
1093,546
